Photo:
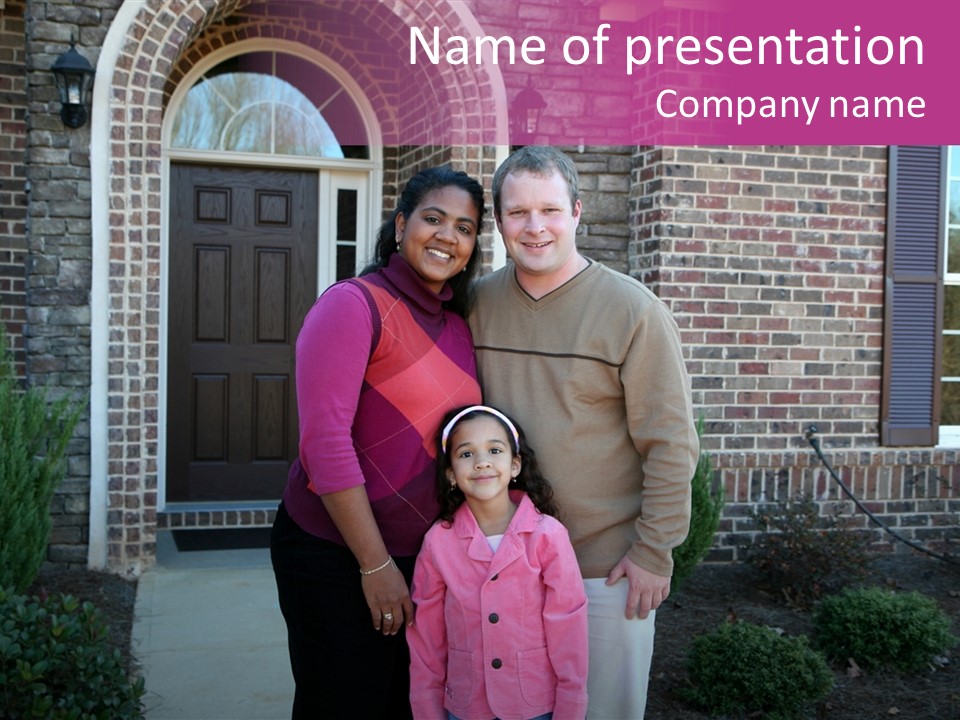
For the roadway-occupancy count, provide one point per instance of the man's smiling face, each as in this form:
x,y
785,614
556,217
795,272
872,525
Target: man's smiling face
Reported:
x,y
539,225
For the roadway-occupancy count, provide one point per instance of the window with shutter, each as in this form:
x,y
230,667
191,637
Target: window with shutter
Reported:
x,y
913,328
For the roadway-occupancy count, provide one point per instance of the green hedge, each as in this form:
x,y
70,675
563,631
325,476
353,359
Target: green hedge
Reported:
x,y
879,628
705,509
33,439
743,669
56,663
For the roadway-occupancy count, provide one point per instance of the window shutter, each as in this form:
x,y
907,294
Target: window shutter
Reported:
x,y
914,295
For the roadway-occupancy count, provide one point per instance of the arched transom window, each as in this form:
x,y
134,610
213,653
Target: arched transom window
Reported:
x,y
271,103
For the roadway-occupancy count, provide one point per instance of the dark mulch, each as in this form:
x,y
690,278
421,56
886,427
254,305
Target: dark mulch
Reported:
x,y
712,595
113,595
716,593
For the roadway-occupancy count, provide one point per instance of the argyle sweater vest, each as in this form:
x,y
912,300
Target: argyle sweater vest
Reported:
x,y
421,365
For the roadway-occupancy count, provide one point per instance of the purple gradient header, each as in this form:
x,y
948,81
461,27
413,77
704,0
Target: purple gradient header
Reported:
x,y
689,72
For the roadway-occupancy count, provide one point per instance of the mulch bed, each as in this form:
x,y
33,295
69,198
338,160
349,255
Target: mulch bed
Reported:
x,y
717,593
113,595
713,594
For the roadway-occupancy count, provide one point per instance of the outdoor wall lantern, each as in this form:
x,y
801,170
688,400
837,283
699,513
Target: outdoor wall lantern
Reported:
x,y
525,115
74,75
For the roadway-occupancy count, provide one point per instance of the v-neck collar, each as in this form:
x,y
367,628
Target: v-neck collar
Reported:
x,y
555,295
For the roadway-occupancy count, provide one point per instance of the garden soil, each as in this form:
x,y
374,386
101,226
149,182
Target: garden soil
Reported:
x,y
716,593
713,594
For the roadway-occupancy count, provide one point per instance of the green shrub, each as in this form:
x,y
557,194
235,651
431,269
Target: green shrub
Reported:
x,y
33,440
746,669
56,663
705,510
878,628
803,555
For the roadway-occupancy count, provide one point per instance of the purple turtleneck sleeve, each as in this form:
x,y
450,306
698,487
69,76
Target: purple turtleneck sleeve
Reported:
x,y
379,362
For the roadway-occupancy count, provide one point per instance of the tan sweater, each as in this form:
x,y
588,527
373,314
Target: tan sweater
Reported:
x,y
594,373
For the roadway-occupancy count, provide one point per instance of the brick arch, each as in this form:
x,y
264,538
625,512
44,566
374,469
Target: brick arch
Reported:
x,y
159,46
233,34
445,103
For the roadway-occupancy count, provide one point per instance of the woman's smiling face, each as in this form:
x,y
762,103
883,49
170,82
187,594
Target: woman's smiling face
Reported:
x,y
440,234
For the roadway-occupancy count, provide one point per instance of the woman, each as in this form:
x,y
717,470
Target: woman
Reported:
x,y
380,359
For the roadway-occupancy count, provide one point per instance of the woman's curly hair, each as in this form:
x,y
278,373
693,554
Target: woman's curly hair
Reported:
x,y
414,192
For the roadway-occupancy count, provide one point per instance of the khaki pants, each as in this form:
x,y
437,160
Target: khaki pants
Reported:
x,y
620,654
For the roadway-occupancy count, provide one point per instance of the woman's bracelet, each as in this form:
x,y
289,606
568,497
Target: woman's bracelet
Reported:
x,y
376,569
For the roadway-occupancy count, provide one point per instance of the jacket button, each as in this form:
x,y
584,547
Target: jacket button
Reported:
x,y
494,618
497,663
495,577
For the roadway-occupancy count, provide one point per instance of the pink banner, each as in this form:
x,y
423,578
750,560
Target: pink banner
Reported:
x,y
744,72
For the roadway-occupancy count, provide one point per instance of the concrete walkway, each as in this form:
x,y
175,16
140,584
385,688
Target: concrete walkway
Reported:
x,y
210,638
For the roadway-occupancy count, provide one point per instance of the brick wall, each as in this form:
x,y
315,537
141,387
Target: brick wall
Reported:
x,y
778,252
772,260
916,492
13,201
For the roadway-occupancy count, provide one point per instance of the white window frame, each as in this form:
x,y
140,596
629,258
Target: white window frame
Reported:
x,y
331,182
949,434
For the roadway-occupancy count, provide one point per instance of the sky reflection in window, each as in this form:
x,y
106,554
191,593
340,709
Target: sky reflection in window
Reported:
x,y
253,113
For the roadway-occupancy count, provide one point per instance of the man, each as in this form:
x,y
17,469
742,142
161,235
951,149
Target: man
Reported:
x,y
589,361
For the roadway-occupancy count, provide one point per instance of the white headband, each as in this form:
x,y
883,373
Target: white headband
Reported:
x,y
479,408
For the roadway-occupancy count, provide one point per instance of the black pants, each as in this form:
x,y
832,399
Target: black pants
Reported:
x,y
342,667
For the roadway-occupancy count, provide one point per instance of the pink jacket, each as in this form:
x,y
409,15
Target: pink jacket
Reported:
x,y
500,634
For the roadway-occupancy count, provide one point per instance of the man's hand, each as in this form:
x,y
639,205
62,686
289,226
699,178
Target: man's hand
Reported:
x,y
646,592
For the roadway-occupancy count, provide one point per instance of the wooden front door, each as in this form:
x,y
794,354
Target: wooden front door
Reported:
x,y
243,273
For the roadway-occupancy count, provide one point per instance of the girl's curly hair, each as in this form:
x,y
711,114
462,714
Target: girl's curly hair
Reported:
x,y
530,480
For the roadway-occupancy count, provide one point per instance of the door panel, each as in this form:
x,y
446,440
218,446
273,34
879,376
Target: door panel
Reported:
x,y
243,256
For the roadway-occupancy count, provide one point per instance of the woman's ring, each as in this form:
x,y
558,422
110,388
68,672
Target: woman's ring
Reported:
x,y
388,617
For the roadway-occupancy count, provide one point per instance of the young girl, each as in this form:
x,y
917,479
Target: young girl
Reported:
x,y
501,620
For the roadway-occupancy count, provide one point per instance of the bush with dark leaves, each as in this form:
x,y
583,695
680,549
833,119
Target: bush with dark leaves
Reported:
x,y
879,628
802,555
742,669
56,662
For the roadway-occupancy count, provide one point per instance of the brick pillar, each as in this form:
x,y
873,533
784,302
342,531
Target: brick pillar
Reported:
x,y
59,249
13,201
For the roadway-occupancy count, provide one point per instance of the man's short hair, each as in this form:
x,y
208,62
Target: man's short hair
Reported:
x,y
538,160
